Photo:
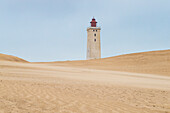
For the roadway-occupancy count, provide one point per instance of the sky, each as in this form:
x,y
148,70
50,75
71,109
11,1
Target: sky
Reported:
x,y
55,30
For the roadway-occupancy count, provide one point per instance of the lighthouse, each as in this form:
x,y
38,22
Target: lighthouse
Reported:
x,y
93,41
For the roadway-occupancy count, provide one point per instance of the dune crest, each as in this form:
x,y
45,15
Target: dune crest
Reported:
x,y
152,62
4,57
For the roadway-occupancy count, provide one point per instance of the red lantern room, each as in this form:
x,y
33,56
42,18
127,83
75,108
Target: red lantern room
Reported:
x,y
93,22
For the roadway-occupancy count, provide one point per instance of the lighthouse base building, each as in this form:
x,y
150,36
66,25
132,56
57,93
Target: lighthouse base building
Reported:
x,y
93,41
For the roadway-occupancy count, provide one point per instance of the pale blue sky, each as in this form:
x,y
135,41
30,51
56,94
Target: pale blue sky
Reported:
x,y
53,30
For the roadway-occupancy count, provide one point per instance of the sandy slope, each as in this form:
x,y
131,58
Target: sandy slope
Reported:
x,y
86,87
153,62
4,57
40,88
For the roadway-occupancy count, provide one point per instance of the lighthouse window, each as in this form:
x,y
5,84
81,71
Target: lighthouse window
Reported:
x,y
96,30
95,40
93,30
94,34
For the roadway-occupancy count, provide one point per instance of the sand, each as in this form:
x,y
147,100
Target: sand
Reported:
x,y
4,57
153,62
76,88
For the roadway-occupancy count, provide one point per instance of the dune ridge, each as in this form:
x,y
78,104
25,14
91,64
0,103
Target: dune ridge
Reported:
x,y
4,57
152,62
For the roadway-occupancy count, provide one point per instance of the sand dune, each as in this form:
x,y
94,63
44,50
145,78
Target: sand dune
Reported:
x,y
153,62
40,88
77,87
4,57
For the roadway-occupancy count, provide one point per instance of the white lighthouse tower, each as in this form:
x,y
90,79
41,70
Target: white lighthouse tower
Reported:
x,y
93,41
